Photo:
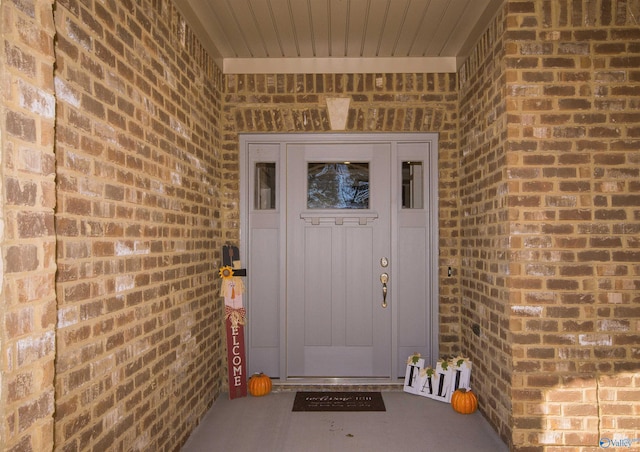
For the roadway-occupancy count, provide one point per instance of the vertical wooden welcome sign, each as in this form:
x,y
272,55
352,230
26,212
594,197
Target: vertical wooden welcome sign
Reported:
x,y
235,318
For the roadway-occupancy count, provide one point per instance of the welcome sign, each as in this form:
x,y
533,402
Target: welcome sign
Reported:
x,y
231,290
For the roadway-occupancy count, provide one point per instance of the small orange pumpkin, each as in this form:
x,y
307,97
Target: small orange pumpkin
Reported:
x,y
259,384
464,401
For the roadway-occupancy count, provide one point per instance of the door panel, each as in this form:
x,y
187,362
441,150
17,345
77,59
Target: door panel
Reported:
x,y
318,285
361,307
264,335
411,312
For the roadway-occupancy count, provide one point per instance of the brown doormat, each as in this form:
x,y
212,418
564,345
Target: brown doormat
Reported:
x,y
338,401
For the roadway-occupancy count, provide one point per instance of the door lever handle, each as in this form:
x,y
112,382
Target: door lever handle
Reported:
x,y
384,278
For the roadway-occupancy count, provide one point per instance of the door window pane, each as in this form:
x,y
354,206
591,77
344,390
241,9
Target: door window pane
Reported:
x,y
265,186
412,185
338,185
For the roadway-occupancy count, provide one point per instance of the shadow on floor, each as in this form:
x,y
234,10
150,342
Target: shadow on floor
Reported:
x,y
410,423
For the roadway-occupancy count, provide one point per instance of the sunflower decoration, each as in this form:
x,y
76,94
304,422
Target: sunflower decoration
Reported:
x,y
226,272
231,285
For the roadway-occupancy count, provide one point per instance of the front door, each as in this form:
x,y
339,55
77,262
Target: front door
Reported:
x,y
338,222
323,216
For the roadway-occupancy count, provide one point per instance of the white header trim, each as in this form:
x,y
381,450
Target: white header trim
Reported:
x,y
339,65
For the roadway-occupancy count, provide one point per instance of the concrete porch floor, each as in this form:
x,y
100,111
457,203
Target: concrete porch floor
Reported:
x,y
410,423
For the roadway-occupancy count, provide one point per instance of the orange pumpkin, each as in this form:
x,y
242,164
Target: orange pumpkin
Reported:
x,y
464,401
259,385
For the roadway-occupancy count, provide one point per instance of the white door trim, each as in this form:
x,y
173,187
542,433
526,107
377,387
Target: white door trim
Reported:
x,y
276,144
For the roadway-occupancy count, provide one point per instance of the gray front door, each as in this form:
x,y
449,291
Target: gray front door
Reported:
x,y
313,249
338,222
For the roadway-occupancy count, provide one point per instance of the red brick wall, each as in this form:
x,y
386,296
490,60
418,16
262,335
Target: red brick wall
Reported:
x,y
379,103
551,169
140,352
27,236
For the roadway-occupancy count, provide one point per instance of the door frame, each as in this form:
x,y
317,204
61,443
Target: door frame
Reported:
x,y
279,142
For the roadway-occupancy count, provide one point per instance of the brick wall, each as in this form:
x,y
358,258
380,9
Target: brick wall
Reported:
x,y
573,80
139,225
379,103
27,292
484,226
559,332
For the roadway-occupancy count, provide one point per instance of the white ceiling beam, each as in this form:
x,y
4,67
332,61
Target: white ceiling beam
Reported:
x,y
339,65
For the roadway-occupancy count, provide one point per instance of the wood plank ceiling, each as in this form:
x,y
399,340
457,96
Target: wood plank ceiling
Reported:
x,y
324,36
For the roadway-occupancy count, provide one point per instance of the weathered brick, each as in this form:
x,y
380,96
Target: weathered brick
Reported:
x,y
574,104
35,410
20,59
35,224
21,126
92,106
20,192
21,258
598,256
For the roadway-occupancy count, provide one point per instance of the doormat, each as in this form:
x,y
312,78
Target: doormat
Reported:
x,y
338,401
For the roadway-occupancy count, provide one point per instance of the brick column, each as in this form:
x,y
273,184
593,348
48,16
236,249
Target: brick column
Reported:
x,y
549,181
574,91
27,300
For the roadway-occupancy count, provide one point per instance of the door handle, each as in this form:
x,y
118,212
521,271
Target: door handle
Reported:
x,y
384,278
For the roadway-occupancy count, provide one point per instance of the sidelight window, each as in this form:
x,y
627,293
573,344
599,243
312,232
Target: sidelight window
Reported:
x,y
265,186
412,185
